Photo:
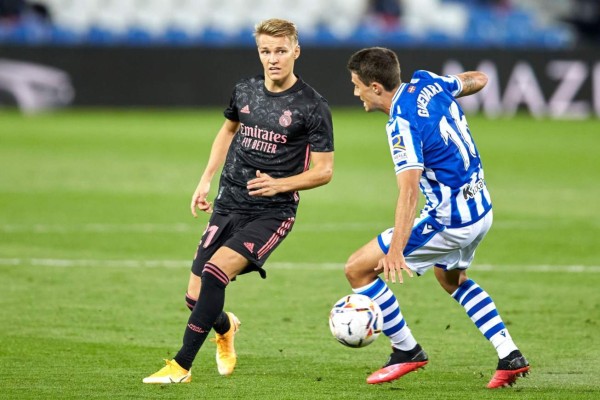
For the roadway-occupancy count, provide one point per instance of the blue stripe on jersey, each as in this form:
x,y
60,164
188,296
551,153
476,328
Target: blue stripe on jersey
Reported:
x,y
428,202
486,201
435,192
428,129
455,217
473,212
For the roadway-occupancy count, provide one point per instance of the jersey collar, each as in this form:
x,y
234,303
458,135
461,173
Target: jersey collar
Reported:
x,y
396,96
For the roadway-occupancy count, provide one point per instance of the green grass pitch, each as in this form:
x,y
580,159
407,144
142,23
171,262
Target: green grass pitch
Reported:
x,y
96,240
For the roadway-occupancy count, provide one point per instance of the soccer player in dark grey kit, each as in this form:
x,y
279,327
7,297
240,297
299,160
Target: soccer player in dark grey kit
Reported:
x,y
277,139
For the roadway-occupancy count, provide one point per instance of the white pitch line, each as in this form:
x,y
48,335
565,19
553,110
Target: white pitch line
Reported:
x,y
99,228
67,263
371,227
170,228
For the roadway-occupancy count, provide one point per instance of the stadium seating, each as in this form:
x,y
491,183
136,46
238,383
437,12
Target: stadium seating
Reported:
x,y
326,23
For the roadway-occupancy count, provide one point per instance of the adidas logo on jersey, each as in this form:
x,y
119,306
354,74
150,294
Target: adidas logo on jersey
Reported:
x,y
249,246
245,109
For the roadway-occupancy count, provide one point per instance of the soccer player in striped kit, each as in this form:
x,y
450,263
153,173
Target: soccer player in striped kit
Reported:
x,y
277,139
432,150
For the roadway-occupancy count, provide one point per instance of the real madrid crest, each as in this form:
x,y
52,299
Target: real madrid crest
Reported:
x,y
286,119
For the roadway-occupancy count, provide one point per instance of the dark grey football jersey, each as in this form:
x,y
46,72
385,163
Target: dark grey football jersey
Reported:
x,y
277,133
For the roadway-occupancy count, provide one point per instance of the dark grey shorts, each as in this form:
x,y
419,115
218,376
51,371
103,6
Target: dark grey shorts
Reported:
x,y
253,236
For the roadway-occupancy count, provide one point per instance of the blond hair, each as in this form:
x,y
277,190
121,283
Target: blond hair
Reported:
x,y
277,28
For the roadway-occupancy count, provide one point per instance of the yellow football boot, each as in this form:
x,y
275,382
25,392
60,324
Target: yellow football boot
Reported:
x,y
226,357
170,373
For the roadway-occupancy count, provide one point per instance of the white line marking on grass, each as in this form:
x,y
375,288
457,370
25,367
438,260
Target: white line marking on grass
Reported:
x,y
371,227
66,263
100,228
537,268
53,262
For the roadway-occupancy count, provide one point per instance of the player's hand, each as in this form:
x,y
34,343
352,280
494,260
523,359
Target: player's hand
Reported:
x,y
199,200
392,265
263,185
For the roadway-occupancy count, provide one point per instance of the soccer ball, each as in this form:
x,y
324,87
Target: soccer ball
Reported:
x,y
355,320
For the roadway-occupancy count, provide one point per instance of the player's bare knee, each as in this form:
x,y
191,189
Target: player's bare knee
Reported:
x,y
349,269
356,274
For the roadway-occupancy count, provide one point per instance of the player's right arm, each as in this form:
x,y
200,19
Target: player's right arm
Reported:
x,y
393,263
472,82
218,152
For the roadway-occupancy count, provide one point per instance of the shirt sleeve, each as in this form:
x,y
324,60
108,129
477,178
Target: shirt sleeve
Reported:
x,y
450,83
232,112
405,145
320,128
453,84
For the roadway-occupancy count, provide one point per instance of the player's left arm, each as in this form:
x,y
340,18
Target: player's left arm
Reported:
x,y
320,173
472,82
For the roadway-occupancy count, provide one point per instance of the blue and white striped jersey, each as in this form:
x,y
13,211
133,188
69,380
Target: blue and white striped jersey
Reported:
x,y
428,130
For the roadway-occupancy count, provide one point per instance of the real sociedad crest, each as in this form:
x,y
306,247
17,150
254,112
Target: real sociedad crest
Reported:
x,y
286,119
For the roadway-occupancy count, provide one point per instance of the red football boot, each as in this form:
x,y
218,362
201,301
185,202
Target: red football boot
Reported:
x,y
400,364
509,369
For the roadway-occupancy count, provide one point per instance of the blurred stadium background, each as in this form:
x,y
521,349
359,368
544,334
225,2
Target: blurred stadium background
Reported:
x,y
108,109
541,55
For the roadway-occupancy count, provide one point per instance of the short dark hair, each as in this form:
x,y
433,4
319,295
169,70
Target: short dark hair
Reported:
x,y
376,64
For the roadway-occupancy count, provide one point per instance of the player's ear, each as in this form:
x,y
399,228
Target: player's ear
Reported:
x,y
296,52
377,88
